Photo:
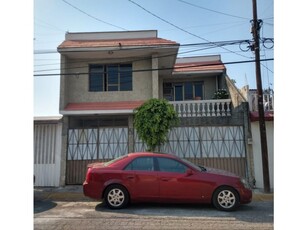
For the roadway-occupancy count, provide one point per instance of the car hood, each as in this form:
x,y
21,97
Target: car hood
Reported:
x,y
220,172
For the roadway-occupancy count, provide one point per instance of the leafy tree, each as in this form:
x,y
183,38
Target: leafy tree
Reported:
x,y
153,120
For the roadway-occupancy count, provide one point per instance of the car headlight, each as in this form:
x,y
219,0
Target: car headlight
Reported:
x,y
244,182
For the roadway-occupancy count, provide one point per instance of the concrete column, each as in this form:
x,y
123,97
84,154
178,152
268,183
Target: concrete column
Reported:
x,y
130,134
155,76
64,150
62,83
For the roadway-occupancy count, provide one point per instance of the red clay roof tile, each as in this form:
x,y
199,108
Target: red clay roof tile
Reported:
x,y
116,43
198,66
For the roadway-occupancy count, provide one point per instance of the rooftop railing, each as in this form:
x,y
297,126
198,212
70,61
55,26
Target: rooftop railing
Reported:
x,y
268,101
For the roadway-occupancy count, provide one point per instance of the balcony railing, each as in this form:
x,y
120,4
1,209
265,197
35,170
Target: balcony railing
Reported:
x,y
203,108
268,101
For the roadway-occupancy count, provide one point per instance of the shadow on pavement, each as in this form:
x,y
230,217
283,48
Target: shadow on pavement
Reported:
x,y
43,205
155,209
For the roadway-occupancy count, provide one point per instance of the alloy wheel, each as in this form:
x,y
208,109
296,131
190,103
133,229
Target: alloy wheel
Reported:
x,y
116,197
226,199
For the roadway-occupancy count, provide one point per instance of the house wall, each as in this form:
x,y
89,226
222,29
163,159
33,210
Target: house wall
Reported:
x,y
237,96
256,145
78,90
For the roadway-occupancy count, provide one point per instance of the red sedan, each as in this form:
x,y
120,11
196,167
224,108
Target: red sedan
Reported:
x,y
156,177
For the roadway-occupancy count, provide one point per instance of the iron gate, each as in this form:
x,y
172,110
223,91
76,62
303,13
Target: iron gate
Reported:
x,y
220,147
93,145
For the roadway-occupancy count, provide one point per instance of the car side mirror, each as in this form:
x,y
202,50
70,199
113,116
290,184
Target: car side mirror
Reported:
x,y
189,172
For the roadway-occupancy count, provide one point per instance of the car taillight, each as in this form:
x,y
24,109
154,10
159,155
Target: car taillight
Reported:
x,y
89,174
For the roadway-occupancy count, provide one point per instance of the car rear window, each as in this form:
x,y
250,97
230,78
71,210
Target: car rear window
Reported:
x,y
115,160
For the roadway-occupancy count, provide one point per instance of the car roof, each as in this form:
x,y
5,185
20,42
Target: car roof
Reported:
x,y
154,154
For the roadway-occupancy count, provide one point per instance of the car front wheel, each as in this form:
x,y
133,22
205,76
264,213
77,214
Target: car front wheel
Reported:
x,y
226,199
116,197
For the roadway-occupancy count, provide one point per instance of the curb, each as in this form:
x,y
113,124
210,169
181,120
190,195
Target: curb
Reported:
x,y
63,196
76,195
263,196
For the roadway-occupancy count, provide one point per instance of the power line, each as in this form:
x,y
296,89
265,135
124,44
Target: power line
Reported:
x,y
97,19
218,12
157,69
207,46
194,35
216,44
47,24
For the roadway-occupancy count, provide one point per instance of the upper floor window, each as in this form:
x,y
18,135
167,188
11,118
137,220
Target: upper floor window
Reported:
x,y
113,77
183,91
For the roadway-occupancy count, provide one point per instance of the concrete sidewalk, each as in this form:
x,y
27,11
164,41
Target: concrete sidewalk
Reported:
x,y
75,193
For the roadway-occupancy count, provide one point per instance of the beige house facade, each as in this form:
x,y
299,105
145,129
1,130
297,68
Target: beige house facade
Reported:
x,y
106,75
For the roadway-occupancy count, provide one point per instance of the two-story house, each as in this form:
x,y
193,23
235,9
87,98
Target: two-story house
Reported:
x,y
106,75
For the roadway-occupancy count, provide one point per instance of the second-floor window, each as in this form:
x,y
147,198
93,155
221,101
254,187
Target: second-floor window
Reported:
x,y
113,77
183,91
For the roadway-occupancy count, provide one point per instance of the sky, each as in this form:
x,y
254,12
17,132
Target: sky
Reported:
x,y
183,21
40,26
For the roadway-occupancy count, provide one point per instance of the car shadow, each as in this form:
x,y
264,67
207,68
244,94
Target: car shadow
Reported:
x,y
254,212
154,209
43,205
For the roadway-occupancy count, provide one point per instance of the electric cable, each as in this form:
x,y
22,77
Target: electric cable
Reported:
x,y
194,35
223,43
157,69
97,19
218,12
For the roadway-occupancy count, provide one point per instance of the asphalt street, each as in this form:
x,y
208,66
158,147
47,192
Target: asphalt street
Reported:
x,y
49,214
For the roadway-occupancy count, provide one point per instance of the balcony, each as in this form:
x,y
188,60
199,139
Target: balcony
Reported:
x,y
268,101
203,108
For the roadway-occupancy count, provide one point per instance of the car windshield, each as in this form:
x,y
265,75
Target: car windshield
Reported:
x,y
115,160
198,168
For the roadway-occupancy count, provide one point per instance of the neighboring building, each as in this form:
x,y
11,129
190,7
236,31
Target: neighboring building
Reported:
x,y
254,142
47,151
106,75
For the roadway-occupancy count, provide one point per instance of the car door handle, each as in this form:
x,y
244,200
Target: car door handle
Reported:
x,y
130,177
165,178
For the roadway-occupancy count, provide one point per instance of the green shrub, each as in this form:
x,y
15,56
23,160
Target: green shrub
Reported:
x,y
153,120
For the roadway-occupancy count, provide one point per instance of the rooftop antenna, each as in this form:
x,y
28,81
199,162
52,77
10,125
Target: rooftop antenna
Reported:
x,y
246,82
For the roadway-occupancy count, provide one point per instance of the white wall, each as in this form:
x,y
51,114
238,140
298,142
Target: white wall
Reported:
x,y
256,145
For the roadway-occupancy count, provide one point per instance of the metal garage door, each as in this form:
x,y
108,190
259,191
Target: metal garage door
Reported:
x,y
220,147
92,145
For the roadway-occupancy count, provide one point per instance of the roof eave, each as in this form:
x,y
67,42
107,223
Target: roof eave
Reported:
x,y
115,48
197,72
98,112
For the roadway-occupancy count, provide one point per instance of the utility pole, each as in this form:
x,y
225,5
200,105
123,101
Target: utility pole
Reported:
x,y
256,24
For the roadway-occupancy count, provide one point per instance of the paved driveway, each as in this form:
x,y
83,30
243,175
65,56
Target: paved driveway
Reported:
x,y
94,215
